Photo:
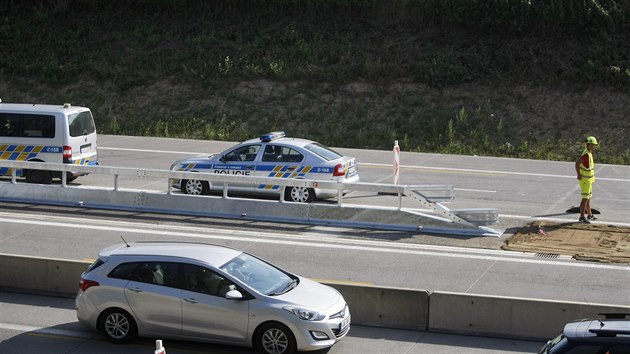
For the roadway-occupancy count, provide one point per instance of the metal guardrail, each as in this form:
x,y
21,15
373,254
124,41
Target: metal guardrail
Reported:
x,y
429,196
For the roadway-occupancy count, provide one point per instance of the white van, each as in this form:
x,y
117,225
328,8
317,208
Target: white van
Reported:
x,y
46,133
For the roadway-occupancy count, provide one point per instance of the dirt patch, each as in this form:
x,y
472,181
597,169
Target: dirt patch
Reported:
x,y
590,242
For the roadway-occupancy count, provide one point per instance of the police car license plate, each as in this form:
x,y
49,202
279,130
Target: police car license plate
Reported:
x,y
351,170
86,148
343,326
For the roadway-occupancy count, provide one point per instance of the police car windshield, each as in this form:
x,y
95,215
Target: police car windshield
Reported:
x,y
324,152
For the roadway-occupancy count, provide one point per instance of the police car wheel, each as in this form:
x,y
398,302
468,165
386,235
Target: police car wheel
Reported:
x,y
301,194
195,187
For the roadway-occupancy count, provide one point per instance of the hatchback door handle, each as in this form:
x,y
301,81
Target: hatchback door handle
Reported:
x,y
290,168
250,167
191,300
136,290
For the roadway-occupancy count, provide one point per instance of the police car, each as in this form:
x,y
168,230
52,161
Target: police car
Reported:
x,y
271,155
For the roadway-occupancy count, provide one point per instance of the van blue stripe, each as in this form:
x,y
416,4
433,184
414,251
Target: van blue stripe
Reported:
x,y
30,148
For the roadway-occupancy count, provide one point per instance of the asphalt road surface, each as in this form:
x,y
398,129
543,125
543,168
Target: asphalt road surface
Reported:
x,y
39,324
522,190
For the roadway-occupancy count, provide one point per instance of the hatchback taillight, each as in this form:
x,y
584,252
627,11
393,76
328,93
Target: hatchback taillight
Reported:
x,y
67,152
339,171
84,284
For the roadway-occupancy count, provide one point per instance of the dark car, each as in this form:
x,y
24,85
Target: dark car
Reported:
x,y
607,334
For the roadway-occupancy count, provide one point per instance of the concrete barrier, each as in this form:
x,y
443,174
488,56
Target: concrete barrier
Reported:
x,y
507,316
386,307
37,274
370,305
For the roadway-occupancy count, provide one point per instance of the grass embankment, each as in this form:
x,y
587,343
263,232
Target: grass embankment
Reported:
x,y
514,78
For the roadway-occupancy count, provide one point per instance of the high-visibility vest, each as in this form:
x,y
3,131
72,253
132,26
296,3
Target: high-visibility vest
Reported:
x,y
590,171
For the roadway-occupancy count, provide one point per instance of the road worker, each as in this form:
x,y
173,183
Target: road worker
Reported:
x,y
585,169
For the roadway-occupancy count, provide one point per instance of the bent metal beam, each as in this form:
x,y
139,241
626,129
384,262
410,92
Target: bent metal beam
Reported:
x,y
435,218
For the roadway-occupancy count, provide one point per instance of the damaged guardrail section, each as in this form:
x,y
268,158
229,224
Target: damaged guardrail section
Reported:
x,y
378,306
438,219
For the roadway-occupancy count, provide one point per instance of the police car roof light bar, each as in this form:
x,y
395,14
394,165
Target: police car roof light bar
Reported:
x,y
272,136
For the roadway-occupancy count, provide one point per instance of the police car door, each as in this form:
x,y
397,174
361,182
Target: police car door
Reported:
x,y
279,161
240,162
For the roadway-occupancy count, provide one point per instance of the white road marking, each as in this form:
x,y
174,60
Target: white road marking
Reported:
x,y
309,240
570,217
413,167
152,151
474,190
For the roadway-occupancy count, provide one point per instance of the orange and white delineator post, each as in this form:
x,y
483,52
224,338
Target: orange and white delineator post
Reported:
x,y
396,162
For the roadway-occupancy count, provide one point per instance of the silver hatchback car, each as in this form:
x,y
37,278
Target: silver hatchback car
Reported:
x,y
209,293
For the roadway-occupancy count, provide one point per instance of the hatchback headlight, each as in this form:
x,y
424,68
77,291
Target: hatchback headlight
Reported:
x,y
305,314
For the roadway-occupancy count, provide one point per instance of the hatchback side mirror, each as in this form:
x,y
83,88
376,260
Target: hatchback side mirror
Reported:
x,y
234,295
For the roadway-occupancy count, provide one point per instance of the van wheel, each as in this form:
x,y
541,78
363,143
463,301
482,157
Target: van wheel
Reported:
x,y
300,194
195,187
118,326
275,338
38,176
70,177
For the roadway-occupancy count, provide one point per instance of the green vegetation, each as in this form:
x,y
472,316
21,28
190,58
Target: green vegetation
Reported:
x,y
516,78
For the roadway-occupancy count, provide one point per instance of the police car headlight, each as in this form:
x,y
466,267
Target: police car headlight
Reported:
x,y
174,166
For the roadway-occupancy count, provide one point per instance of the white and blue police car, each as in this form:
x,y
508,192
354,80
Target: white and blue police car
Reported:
x,y
271,155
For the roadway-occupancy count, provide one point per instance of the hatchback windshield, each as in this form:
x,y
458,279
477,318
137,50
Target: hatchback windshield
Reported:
x,y
260,275
326,153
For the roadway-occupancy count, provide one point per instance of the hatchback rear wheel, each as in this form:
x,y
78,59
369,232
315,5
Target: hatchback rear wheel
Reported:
x,y
118,326
275,338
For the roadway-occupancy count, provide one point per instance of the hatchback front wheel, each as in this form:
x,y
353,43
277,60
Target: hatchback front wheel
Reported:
x,y
275,338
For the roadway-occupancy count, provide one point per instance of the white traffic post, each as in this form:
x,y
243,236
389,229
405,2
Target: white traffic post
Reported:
x,y
396,162
159,349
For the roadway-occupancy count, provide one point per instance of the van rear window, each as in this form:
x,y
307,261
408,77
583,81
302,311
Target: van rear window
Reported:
x,y
27,125
81,124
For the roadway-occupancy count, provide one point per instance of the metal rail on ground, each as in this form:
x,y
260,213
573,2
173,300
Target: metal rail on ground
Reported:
x,y
435,218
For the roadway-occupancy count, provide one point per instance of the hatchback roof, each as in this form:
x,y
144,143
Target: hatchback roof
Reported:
x,y
213,255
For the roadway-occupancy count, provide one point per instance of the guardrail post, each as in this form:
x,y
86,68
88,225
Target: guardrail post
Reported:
x,y
169,189
116,183
225,190
13,175
64,178
339,197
